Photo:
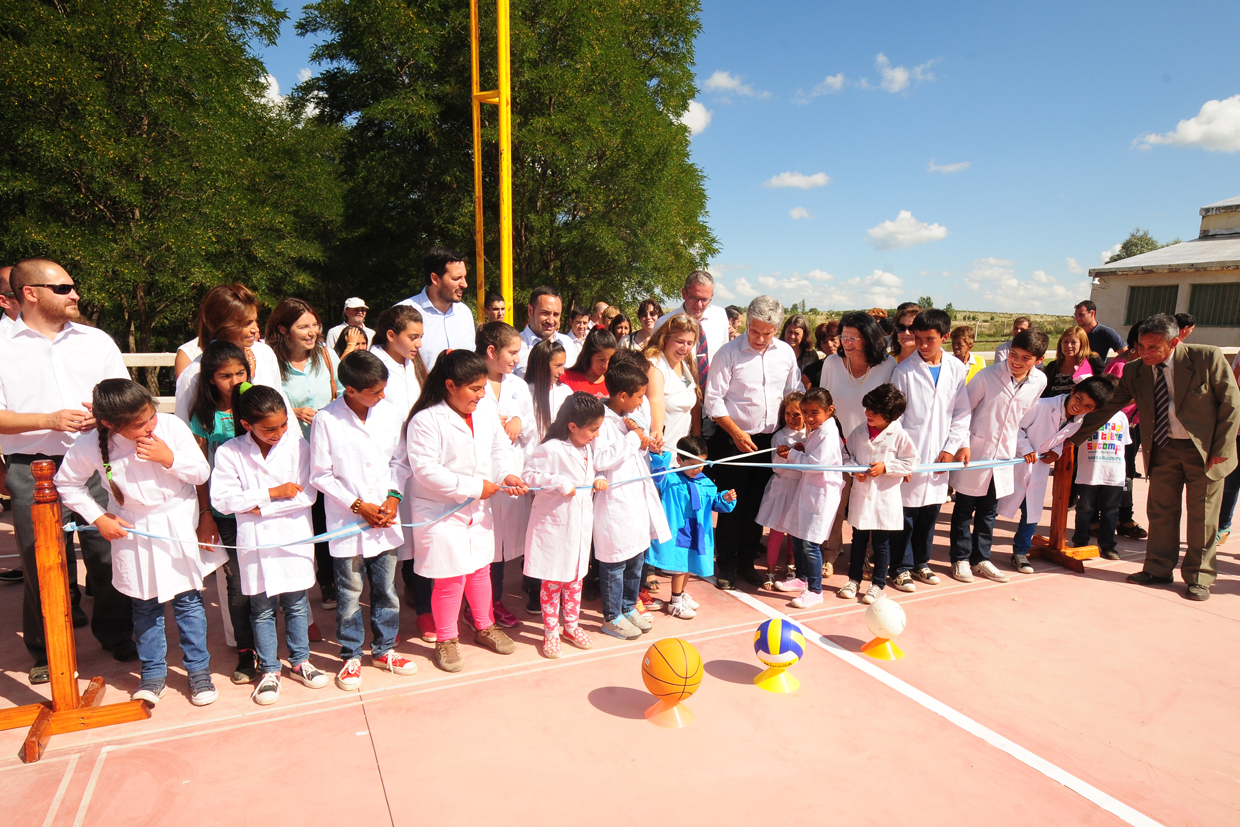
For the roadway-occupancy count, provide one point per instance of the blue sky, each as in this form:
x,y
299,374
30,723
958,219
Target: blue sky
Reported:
x,y
984,154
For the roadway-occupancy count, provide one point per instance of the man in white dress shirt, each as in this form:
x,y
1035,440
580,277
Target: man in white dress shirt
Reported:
x,y
51,361
543,314
749,377
8,302
698,292
354,316
447,323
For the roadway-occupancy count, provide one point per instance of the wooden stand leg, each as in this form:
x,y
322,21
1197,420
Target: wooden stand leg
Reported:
x,y
1055,548
68,711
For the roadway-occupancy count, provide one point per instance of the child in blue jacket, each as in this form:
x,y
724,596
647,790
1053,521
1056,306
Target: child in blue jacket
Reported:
x,y
688,497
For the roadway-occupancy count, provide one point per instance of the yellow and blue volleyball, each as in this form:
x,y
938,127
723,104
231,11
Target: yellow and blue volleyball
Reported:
x,y
779,643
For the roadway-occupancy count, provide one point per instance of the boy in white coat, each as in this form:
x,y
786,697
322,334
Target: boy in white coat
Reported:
x,y
352,442
937,420
875,509
1043,431
626,517
999,398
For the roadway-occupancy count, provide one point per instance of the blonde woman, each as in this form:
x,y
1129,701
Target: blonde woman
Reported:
x,y
1073,362
673,389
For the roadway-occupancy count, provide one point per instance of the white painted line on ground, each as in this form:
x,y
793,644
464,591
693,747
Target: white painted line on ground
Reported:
x,y
90,788
1035,762
60,791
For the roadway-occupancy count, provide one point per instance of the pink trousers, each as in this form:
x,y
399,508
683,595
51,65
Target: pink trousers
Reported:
x,y
446,601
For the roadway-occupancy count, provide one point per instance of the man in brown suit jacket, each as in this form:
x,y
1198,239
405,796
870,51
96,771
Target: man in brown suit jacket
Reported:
x,y
1189,405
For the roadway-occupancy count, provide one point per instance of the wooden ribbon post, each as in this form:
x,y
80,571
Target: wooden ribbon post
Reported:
x,y
69,710
1055,547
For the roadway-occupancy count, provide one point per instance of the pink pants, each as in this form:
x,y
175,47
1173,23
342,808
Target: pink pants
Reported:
x,y
774,543
446,601
550,597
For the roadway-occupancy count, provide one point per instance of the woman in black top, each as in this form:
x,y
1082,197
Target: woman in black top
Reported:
x,y
1073,362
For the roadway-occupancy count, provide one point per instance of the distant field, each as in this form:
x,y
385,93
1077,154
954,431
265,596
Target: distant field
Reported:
x,y
990,327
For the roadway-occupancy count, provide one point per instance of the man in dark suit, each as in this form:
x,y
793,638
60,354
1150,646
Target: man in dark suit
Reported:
x,y
1190,409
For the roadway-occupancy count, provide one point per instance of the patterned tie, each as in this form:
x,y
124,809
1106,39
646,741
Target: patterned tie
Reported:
x,y
703,357
1162,407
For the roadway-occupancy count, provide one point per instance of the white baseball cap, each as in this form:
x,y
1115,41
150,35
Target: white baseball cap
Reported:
x,y
354,303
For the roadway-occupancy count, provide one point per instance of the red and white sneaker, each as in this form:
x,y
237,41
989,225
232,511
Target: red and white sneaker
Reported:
x,y
551,647
426,627
394,663
578,637
504,617
350,675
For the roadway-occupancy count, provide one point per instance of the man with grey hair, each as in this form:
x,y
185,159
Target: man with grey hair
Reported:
x,y
748,380
698,292
1189,406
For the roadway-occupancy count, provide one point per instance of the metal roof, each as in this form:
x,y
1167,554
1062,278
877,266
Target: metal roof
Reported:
x,y
1217,253
1230,205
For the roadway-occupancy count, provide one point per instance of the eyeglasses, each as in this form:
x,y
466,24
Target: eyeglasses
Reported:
x,y
58,289
848,340
903,328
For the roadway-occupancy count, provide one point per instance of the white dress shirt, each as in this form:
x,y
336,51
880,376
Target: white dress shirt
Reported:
x,y
333,335
454,330
41,375
1178,430
748,386
191,349
714,321
529,338
6,324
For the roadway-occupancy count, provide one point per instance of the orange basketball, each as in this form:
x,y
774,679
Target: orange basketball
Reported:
x,y
672,670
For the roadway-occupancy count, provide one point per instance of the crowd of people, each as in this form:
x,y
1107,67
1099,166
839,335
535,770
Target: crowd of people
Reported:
x,y
432,451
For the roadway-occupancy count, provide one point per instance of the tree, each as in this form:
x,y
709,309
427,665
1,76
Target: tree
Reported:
x,y
139,153
925,301
1139,241
606,203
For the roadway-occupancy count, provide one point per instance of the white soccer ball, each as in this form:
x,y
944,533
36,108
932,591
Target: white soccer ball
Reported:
x,y
885,618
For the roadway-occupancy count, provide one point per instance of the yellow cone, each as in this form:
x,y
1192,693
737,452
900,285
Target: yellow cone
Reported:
x,y
777,680
882,649
670,715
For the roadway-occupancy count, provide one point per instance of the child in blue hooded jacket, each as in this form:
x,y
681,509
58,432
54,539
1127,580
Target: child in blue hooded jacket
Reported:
x,y
688,497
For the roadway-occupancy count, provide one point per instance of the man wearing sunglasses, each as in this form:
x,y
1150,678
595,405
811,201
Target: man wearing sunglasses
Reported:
x,y
48,360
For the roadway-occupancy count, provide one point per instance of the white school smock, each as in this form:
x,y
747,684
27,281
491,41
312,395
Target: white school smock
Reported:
x,y
158,500
557,540
349,459
875,503
626,517
679,397
818,492
998,405
402,388
241,482
936,419
512,514
1044,427
779,498
266,372
448,461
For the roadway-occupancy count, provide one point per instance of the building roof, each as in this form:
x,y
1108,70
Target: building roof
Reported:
x,y
1229,205
1216,253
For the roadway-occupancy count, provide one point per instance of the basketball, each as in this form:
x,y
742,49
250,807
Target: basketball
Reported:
x,y
672,670
779,643
885,618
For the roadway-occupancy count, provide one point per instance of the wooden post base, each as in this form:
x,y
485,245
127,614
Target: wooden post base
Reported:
x,y
1069,557
44,723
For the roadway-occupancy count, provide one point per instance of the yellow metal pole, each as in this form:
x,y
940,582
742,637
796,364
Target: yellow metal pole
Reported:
x,y
479,246
505,157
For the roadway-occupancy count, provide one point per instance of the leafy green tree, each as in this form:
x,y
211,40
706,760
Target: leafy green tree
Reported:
x,y
140,154
606,203
925,301
1139,241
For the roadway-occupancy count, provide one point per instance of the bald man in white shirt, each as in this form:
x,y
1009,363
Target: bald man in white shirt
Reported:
x,y
52,361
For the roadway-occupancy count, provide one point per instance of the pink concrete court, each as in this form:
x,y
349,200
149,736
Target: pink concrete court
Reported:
x,y
1120,701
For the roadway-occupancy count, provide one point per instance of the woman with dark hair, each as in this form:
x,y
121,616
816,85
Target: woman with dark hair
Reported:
x,y
622,329
903,343
648,314
586,374
796,333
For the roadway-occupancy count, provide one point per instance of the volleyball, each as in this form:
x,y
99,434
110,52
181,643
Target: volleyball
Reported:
x,y
779,643
672,670
885,618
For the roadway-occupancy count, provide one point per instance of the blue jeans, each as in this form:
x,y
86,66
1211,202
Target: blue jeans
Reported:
x,y
1231,491
808,559
1023,541
296,629
1103,499
238,602
380,570
619,584
974,546
148,628
882,555
910,548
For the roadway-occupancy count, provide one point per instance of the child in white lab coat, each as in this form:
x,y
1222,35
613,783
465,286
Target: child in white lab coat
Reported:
x,y
262,480
999,398
776,510
352,441
561,525
626,517
817,500
1100,477
151,465
459,457
1043,430
875,504
499,344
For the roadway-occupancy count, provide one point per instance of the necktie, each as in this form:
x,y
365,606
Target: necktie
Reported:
x,y
703,357
1162,407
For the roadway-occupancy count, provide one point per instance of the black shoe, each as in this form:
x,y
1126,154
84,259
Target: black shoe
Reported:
x,y
752,577
39,674
124,651
14,576
533,603
1196,591
724,584
1109,554
327,594
247,668
79,618
589,590
1144,578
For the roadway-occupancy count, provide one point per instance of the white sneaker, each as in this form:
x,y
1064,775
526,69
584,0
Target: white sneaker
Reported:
x,y
310,676
681,609
871,594
962,572
849,590
904,582
807,600
640,620
792,584
685,598
926,575
987,569
268,689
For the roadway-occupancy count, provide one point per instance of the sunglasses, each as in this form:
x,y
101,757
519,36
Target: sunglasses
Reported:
x,y
58,289
903,328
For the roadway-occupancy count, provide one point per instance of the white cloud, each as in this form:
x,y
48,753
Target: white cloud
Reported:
x,y
994,281
820,275
272,93
905,231
726,83
1215,128
829,85
947,169
1075,268
304,75
895,78
879,289
744,288
722,293
799,212
768,282
697,118
1106,254
797,180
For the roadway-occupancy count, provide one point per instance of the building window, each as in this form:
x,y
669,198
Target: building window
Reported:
x,y
1215,305
1144,302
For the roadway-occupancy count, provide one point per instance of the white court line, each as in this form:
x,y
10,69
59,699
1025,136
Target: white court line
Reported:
x,y
90,788
1051,771
60,791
